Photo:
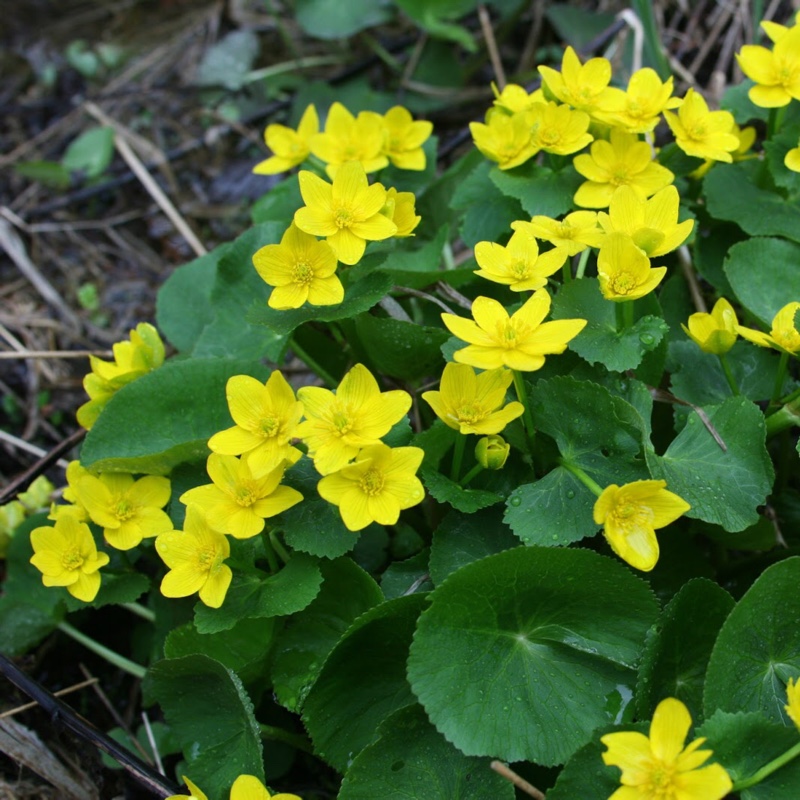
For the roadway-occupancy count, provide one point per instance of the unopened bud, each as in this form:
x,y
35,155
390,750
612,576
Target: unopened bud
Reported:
x,y
491,452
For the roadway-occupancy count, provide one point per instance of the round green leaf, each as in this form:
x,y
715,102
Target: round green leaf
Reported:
x,y
524,653
362,681
330,19
758,648
410,754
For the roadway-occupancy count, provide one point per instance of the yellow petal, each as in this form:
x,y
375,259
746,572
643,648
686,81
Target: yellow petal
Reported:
x,y
248,787
668,730
212,592
347,246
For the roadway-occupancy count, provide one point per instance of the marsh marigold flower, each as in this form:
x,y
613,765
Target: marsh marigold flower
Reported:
x,y
404,137
784,334
659,767
128,510
266,417
652,224
520,342
504,139
290,147
245,787
237,502
700,132
792,159
399,208
630,515
195,557
643,102
491,452
301,268
776,72
515,98
357,415
346,213
348,138
574,233
793,705
66,555
472,403
518,265
715,332
558,129
376,487
624,270
622,161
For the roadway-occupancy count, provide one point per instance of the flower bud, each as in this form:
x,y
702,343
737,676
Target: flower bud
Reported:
x,y
491,452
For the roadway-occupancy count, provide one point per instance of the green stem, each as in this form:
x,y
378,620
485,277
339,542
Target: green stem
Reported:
x,y
283,553
269,551
470,475
140,611
566,271
775,120
291,66
583,262
767,769
458,456
527,418
279,735
310,362
627,315
726,368
581,476
790,398
116,659
780,377
784,418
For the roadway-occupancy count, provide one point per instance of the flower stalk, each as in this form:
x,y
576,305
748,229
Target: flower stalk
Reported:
x,y
113,658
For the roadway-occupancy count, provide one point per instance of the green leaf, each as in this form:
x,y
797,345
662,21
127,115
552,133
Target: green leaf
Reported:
x,y
776,149
736,100
599,341
401,349
434,16
575,25
732,193
362,681
50,173
279,203
461,539
401,576
304,644
250,596
315,525
523,654
211,715
116,588
554,511
243,648
710,252
444,490
745,742
228,62
765,290
758,647
490,220
166,416
359,297
724,487
539,189
678,647
409,754
91,152
330,19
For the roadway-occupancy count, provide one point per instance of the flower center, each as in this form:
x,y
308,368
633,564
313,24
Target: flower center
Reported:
x,y
549,136
620,177
245,495
372,482
302,273
661,784
520,269
625,511
699,132
623,283
788,340
124,510
341,422
509,336
269,426
470,413
343,218
72,559
205,558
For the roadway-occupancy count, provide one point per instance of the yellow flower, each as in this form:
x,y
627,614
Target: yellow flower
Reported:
x,y
652,224
584,87
631,513
793,706
558,129
783,336
301,269
195,792
703,133
266,417
289,146
504,139
792,159
346,213
404,138
74,473
128,510
132,359
237,502
471,403
515,98
399,208
520,342
37,495
624,270
776,72
518,265
348,138
66,555
714,332
660,767
746,137
623,161
248,787
195,559
574,233
644,100
358,415
377,487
